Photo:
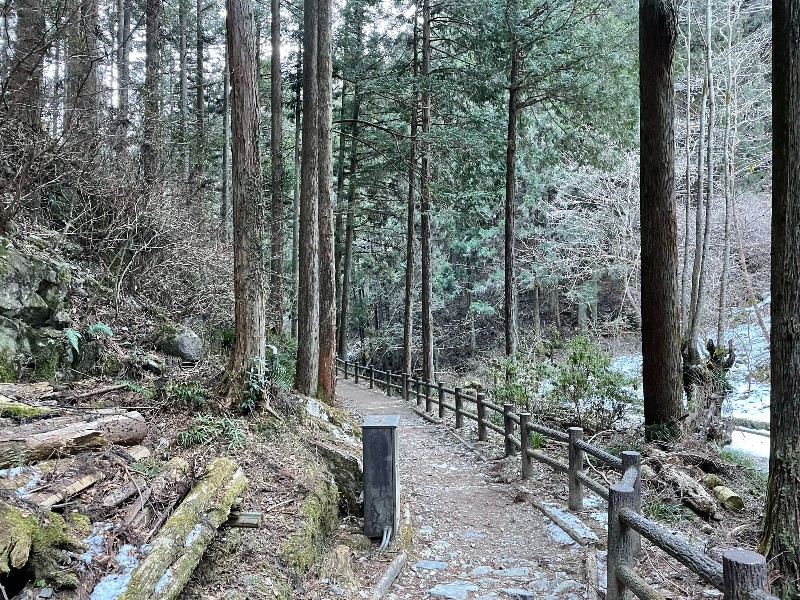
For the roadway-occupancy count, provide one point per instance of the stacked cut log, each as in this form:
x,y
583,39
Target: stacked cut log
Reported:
x,y
62,436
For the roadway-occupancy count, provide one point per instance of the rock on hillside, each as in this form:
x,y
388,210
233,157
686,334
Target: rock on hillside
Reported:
x,y
33,289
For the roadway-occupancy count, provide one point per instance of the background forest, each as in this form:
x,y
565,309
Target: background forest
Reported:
x,y
116,138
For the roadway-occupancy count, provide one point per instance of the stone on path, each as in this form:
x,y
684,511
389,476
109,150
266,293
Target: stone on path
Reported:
x,y
456,590
432,565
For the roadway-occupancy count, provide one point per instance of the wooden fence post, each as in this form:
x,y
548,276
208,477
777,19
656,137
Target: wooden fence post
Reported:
x,y
389,382
622,540
632,459
417,393
371,377
441,400
459,400
508,429
743,571
404,386
525,439
480,398
355,371
428,399
576,459
345,368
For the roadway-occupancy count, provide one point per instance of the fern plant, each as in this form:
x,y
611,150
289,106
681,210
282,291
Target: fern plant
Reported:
x,y
99,328
73,337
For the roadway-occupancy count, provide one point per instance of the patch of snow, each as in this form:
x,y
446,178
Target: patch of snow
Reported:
x,y
573,521
192,536
111,586
755,445
165,579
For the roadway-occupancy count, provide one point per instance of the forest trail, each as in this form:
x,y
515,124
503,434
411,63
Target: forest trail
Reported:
x,y
474,539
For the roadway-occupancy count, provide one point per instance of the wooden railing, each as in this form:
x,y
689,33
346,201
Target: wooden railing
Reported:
x,y
742,574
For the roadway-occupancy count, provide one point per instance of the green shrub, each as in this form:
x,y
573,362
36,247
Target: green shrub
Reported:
x,y
585,381
518,378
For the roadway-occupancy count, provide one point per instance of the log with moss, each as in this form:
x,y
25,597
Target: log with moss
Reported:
x,y
183,539
26,444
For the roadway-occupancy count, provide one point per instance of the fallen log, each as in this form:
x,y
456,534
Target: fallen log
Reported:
x,y
690,491
119,495
165,489
180,544
19,411
22,445
729,499
76,486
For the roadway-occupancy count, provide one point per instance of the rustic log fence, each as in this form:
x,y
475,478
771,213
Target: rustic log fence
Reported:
x,y
742,574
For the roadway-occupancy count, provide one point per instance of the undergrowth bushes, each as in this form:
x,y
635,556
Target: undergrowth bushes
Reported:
x,y
579,387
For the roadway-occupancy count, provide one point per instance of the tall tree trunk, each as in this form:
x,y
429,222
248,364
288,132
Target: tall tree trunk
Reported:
x,y
199,109
728,185
428,368
685,288
152,80
276,160
82,75
307,364
23,88
298,107
697,268
511,191
712,104
340,207
326,384
408,305
123,72
224,205
347,259
249,227
781,539
183,10
661,368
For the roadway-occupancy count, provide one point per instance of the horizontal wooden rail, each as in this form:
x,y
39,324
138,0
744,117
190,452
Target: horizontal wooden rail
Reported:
x,y
594,486
704,566
547,432
550,462
616,461
495,428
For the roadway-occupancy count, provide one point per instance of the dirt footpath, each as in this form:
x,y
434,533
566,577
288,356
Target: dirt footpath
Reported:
x,y
475,538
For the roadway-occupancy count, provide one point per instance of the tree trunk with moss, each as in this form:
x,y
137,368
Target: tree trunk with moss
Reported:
x,y
179,546
781,539
326,379
307,361
249,227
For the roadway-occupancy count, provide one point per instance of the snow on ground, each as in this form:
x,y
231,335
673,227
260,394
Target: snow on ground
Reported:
x,y
749,375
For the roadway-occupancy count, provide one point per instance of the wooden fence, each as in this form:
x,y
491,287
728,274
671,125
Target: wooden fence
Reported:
x,y
742,574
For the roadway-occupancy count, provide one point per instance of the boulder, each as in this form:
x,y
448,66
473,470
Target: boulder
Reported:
x,y
183,343
33,286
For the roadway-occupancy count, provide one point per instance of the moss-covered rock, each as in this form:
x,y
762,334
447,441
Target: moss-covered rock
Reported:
x,y
38,543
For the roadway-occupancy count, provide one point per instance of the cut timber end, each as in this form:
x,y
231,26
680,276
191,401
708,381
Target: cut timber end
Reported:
x,y
246,520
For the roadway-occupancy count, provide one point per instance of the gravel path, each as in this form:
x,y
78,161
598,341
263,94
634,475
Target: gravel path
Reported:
x,y
475,538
